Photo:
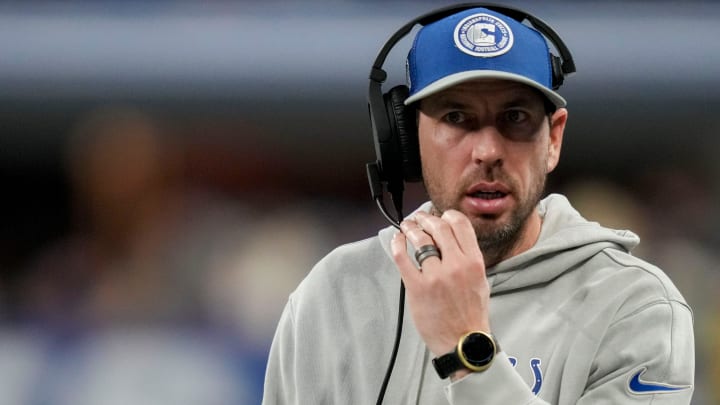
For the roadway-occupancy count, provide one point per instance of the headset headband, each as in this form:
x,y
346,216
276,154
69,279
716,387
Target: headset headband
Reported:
x,y
378,75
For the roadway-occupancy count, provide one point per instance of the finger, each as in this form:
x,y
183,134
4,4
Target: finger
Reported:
x,y
406,267
418,238
440,231
416,234
463,230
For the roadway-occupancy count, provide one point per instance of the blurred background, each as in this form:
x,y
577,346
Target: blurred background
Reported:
x,y
172,169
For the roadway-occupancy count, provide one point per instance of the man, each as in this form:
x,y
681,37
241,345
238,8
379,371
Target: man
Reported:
x,y
513,299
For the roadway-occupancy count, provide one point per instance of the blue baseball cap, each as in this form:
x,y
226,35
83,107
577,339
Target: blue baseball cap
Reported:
x,y
478,44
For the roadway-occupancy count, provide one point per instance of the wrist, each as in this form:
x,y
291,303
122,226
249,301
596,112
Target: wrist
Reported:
x,y
474,352
458,375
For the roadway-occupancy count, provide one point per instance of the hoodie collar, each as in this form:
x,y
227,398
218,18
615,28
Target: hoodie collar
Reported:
x,y
566,238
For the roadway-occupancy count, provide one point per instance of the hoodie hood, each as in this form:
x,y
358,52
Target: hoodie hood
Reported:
x,y
566,239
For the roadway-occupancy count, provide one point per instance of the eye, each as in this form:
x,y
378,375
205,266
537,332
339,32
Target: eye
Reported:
x,y
515,116
456,117
519,124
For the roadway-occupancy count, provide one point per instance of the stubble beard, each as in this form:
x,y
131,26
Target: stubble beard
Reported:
x,y
495,239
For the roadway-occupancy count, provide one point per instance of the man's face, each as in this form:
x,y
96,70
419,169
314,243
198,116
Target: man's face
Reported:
x,y
486,148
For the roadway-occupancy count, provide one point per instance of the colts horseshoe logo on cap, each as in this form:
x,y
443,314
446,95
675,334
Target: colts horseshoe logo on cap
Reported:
x,y
483,35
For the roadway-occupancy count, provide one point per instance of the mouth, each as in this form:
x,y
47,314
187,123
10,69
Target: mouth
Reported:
x,y
487,199
488,190
487,195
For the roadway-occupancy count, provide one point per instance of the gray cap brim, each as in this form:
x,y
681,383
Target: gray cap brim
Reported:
x,y
457,78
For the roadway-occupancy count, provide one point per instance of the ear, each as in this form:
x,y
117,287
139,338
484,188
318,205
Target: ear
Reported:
x,y
557,129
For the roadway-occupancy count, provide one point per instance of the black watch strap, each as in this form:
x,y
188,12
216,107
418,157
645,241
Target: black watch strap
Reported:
x,y
447,364
451,362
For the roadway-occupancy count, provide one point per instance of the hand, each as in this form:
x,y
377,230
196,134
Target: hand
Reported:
x,y
448,297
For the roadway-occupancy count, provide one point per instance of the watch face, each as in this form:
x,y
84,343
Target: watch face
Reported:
x,y
478,349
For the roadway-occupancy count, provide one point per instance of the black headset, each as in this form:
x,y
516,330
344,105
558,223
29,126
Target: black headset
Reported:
x,y
394,124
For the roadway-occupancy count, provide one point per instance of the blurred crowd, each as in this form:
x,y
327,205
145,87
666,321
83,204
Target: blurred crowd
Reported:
x,y
161,290
165,288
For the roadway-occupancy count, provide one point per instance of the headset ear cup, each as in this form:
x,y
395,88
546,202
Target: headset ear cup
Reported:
x,y
557,72
403,120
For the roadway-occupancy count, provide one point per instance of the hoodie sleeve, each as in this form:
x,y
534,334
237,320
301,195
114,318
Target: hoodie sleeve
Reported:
x,y
646,357
499,384
280,374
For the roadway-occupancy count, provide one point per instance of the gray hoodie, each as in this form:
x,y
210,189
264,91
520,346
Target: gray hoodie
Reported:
x,y
579,321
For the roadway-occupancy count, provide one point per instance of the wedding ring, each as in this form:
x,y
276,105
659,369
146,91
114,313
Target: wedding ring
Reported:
x,y
426,251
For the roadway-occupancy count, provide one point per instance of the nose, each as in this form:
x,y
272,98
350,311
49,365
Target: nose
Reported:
x,y
487,146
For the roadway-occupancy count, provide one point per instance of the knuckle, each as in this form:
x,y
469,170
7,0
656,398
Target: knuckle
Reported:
x,y
441,226
454,217
456,270
421,240
397,254
415,235
435,282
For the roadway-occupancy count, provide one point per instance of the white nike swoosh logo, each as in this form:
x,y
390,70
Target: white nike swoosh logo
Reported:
x,y
637,386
